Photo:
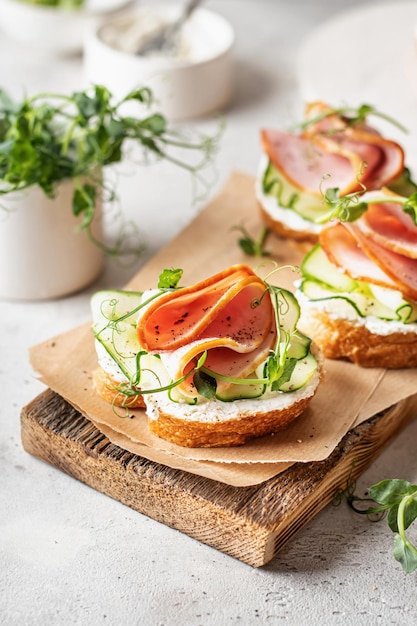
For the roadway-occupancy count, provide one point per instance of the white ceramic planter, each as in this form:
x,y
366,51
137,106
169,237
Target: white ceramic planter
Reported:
x,y
42,255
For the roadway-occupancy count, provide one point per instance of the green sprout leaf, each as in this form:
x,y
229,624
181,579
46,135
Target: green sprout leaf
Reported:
x,y
251,246
352,116
410,207
84,202
405,553
206,385
169,279
345,208
398,498
285,374
350,207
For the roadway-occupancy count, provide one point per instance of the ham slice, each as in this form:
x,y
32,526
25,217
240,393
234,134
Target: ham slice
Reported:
x,y
387,224
365,251
342,249
332,153
306,164
400,268
226,315
380,160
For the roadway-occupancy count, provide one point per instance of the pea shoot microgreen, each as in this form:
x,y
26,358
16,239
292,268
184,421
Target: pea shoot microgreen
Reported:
x,y
351,116
251,246
169,279
396,499
350,207
47,138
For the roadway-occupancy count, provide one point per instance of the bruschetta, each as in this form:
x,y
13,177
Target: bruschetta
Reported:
x,y
358,288
334,148
214,364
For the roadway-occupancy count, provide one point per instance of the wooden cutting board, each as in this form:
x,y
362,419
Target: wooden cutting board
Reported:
x,y
250,523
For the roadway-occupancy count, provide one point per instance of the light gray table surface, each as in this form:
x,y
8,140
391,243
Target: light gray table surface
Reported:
x,y
70,555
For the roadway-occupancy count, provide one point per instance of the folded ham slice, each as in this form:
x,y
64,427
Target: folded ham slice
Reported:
x,y
387,224
401,269
307,164
380,248
226,315
342,249
332,153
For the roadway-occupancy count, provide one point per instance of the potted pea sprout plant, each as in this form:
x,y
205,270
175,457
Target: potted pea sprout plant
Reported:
x,y
54,149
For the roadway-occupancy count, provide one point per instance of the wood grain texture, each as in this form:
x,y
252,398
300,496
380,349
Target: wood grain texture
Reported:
x,y
249,523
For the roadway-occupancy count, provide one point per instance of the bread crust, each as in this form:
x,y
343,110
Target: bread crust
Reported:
x,y
233,432
283,231
342,338
107,388
204,434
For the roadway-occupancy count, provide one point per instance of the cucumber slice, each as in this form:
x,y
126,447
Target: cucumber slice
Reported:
x,y
299,346
317,266
241,392
324,281
175,395
114,304
406,311
114,326
303,371
286,308
309,206
341,302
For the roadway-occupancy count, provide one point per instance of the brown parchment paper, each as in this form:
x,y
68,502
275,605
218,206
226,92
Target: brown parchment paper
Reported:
x,y
347,396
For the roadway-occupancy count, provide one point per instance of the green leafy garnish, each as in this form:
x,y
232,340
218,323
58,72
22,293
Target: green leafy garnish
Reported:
x,y
169,279
352,116
251,246
350,207
47,138
206,385
410,207
397,499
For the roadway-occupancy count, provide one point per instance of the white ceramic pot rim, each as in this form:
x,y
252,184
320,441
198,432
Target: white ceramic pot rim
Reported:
x,y
183,88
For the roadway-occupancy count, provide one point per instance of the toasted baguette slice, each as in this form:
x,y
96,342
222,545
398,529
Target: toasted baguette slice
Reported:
x,y
217,424
108,389
214,423
276,222
350,338
232,432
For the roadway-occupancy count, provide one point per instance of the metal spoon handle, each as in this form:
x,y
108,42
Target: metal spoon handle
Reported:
x,y
165,38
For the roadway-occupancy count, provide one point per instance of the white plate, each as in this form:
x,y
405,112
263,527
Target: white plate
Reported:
x,y
366,55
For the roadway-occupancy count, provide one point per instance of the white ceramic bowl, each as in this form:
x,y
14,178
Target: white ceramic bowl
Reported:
x,y
195,82
51,29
